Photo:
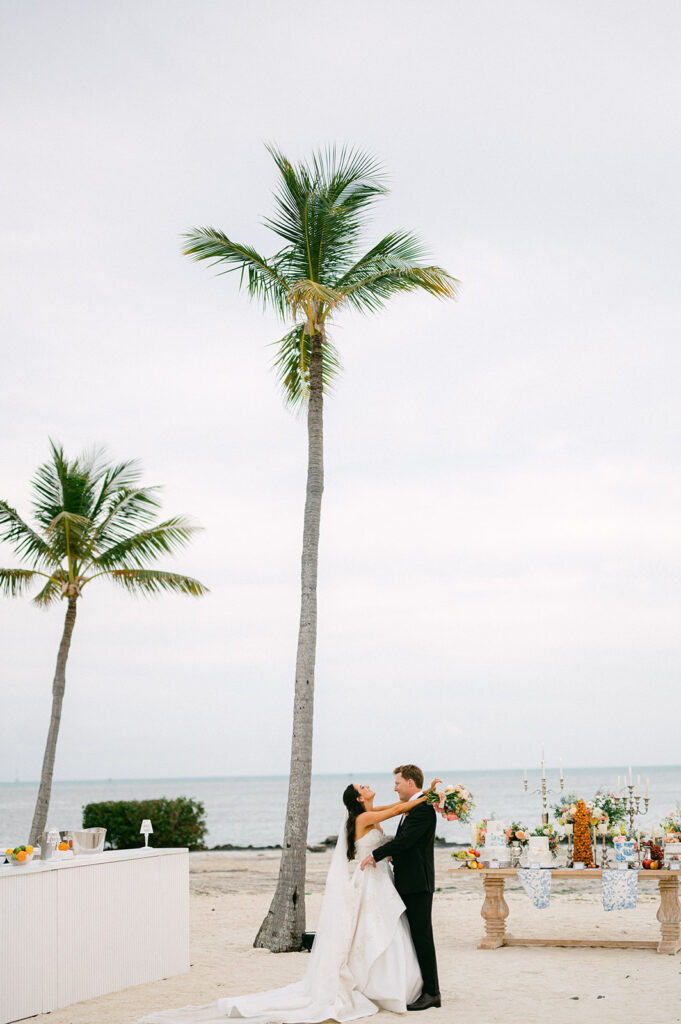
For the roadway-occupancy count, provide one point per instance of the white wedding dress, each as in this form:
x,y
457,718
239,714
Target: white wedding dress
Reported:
x,y
362,960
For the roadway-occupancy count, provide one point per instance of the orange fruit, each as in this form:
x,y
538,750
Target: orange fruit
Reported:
x,y
63,846
22,855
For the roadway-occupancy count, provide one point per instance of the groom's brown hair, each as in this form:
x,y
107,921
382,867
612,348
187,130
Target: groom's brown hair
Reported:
x,y
410,771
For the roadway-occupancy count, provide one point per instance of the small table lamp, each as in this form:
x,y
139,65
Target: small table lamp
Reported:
x,y
146,830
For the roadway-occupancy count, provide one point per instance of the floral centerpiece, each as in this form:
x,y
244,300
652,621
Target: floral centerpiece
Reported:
x,y
455,804
517,833
671,825
606,807
564,812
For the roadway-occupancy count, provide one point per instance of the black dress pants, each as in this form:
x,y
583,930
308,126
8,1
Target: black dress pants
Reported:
x,y
419,915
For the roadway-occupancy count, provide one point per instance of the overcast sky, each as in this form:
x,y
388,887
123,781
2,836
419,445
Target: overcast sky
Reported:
x,y
499,559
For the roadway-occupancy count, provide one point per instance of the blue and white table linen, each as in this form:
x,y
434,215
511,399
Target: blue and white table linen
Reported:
x,y
620,889
537,884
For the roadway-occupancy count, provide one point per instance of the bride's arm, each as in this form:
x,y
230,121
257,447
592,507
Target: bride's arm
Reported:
x,y
383,813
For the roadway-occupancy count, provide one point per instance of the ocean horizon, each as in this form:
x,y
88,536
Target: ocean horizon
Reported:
x,y
250,810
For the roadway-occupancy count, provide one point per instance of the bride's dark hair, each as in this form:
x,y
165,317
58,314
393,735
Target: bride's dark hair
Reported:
x,y
355,808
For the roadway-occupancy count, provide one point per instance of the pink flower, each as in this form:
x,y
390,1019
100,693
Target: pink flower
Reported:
x,y
452,817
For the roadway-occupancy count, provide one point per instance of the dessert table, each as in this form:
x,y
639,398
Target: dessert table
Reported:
x,y
76,927
495,910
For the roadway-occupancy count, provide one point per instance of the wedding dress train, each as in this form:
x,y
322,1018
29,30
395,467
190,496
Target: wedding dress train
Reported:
x,y
362,960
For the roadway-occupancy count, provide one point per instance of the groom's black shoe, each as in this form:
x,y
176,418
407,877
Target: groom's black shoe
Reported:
x,y
424,1002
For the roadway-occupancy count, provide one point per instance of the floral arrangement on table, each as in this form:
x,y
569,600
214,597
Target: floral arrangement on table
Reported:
x,y
565,811
604,808
608,808
550,832
455,804
671,825
517,833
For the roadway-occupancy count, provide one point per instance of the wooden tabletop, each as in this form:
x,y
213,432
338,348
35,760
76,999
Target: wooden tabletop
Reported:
x,y
560,872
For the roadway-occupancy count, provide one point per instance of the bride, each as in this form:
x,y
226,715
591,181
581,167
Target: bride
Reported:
x,y
363,957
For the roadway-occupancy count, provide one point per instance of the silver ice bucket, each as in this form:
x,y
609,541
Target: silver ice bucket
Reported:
x,y
88,840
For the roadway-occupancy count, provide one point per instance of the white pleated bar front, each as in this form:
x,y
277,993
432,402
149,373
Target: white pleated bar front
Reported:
x,y
80,928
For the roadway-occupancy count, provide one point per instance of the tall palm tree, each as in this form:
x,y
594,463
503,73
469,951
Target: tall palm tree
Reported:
x,y
92,520
320,212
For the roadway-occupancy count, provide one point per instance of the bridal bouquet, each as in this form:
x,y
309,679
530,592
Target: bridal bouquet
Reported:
x,y
455,804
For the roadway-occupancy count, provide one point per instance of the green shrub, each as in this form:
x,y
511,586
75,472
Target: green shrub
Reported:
x,y
178,822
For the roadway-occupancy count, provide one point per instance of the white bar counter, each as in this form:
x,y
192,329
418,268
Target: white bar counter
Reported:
x,y
78,927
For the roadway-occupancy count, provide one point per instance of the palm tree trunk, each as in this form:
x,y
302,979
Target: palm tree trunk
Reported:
x,y
45,790
283,927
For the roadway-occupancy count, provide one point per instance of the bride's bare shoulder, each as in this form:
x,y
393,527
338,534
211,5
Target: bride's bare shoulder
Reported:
x,y
363,829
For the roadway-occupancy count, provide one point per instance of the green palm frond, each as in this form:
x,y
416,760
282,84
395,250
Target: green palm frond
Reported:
x,y
124,509
70,536
14,582
26,542
145,546
114,480
291,365
262,278
319,206
373,292
155,581
398,251
62,484
51,592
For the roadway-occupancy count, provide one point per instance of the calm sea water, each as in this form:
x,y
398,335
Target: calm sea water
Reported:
x,y
250,811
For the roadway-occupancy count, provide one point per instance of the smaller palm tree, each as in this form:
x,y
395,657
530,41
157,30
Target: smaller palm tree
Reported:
x,y
93,520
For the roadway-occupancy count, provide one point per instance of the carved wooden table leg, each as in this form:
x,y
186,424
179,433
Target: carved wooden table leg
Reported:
x,y
495,911
669,916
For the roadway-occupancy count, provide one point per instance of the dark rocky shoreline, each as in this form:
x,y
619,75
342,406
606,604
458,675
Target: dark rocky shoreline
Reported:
x,y
322,847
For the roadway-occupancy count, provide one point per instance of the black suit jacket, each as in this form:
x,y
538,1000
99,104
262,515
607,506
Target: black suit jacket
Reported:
x,y
412,851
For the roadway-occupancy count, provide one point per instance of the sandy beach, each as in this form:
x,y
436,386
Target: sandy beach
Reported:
x,y
230,893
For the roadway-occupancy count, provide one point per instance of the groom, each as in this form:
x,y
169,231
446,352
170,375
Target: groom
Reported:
x,y
413,860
